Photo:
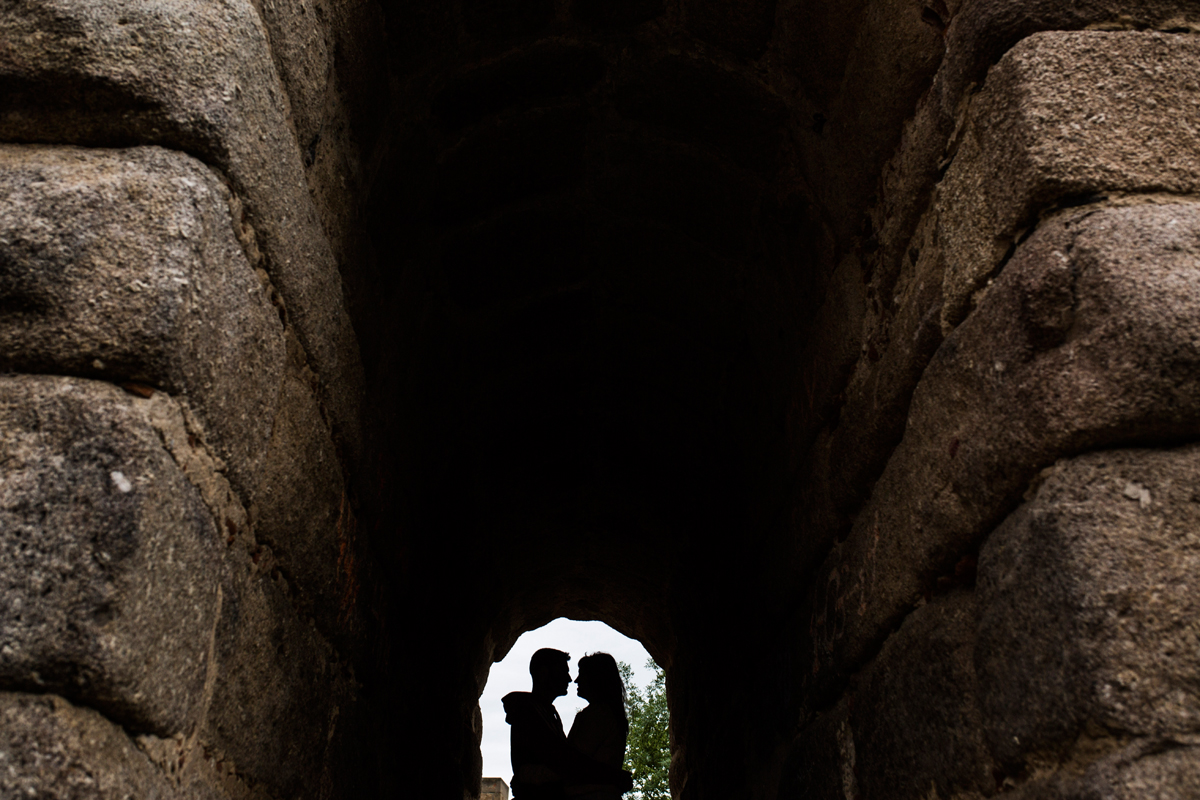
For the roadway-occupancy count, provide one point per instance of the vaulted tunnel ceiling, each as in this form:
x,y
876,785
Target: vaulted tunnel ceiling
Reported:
x,y
603,231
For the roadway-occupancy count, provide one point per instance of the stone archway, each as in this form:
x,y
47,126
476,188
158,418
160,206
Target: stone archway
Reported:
x,y
343,340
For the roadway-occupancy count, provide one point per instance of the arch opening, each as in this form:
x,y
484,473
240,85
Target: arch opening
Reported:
x,y
511,673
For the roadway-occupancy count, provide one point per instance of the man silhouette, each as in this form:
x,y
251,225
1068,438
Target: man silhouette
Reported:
x,y
542,760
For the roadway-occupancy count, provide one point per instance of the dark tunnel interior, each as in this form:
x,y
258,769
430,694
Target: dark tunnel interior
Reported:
x,y
602,233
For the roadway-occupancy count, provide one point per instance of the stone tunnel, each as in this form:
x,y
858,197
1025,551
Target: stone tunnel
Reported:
x,y
846,354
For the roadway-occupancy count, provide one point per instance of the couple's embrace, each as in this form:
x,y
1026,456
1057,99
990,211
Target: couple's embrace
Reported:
x,y
586,764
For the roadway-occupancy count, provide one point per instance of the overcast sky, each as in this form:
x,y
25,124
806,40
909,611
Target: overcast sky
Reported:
x,y
512,675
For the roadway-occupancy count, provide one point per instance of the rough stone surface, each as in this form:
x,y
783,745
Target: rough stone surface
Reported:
x,y
108,590
1070,350
979,32
867,418
915,710
1062,116
301,502
741,28
493,789
1091,612
198,77
123,265
888,67
823,759
975,35
51,750
329,55
276,673
1162,770
301,46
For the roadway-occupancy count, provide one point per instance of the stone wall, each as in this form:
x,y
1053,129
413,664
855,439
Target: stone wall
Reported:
x,y
845,354
180,413
1053,275
493,789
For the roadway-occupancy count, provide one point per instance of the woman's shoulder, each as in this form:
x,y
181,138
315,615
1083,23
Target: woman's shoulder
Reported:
x,y
597,720
594,712
587,717
600,734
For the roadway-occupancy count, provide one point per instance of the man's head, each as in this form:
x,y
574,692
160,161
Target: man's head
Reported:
x,y
550,674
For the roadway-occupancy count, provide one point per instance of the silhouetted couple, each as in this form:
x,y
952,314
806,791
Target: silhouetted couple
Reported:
x,y
586,765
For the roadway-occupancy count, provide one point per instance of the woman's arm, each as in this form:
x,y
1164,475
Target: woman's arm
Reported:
x,y
586,735
597,734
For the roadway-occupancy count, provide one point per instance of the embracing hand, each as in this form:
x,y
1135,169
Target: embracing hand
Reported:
x,y
626,783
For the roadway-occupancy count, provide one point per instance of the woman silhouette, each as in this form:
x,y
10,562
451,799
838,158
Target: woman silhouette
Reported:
x,y
600,730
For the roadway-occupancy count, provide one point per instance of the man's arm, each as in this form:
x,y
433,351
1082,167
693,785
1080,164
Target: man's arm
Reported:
x,y
543,744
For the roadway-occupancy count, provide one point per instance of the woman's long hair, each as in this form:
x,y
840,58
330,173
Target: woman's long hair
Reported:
x,y
608,688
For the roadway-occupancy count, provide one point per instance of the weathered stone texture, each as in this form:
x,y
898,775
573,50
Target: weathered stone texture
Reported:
x,y
1160,771
840,65
1069,350
198,77
119,593
976,34
275,667
1090,612
1065,115
51,750
823,758
123,265
872,407
1069,672
493,789
981,31
915,711
300,503
908,725
329,55
109,580
278,674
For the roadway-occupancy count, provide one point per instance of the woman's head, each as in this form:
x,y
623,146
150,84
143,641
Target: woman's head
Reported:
x,y
600,681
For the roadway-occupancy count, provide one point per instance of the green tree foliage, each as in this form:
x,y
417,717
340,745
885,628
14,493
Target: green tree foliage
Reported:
x,y
648,750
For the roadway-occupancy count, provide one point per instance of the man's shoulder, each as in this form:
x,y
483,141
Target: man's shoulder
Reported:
x,y
527,710
517,705
517,699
